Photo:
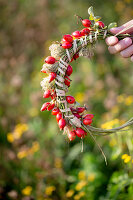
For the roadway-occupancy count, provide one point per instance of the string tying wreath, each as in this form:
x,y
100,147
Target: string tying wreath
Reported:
x,y
69,115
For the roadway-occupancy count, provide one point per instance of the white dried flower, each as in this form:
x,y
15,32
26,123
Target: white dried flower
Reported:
x,y
76,122
50,67
46,85
56,51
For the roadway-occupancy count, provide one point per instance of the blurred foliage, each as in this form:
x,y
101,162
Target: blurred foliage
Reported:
x,y
36,161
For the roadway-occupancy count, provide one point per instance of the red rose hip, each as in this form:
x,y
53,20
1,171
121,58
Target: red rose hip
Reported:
x,y
71,135
69,70
51,106
100,24
62,123
70,99
66,45
86,22
47,94
58,116
55,111
50,60
90,116
52,76
80,132
44,106
68,38
76,34
87,121
85,31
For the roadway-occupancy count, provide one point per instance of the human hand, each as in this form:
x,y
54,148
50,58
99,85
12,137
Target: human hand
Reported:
x,y
125,46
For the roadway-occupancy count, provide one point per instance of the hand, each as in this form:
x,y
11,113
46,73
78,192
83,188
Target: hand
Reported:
x,y
125,46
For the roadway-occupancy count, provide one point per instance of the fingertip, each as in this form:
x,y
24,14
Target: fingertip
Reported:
x,y
112,40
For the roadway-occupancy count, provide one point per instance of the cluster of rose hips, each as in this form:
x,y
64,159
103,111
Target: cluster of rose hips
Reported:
x,y
67,40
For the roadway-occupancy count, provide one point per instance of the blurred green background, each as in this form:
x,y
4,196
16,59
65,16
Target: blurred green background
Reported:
x,y
36,160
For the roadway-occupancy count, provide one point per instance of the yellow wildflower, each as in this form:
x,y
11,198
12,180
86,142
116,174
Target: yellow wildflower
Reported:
x,y
70,193
27,190
35,147
22,154
49,190
129,100
17,133
112,142
81,194
127,159
91,177
110,124
124,156
76,197
81,175
58,163
10,137
80,185
80,97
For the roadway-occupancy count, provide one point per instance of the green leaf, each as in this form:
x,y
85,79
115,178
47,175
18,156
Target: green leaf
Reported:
x,y
112,25
91,17
90,11
97,18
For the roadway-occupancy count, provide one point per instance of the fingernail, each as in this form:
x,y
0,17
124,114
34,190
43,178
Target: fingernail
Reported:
x,y
127,41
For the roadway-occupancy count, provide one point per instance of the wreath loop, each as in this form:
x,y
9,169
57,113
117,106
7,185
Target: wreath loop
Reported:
x,y
69,115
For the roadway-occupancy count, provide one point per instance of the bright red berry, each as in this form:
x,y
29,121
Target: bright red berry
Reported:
x,y
52,76
44,106
70,99
62,123
66,45
89,116
47,94
69,70
85,31
86,22
58,116
68,38
50,60
80,109
77,115
67,82
87,121
73,110
100,24
55,111
51,106
76,34
80,132
76,55
72,135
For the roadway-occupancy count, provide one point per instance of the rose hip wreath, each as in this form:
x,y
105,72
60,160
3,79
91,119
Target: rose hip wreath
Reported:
x,y
69,116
